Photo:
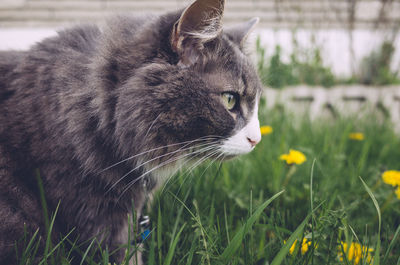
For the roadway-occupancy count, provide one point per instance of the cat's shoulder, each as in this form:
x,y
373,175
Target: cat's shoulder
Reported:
x,y
79,38
86,38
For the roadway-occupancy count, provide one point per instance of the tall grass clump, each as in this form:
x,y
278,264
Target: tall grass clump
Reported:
x,y
332,208
329,209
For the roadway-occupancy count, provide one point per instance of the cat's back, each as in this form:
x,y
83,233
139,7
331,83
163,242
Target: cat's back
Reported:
x,y
9,60
81,39
31,83
67,45
34,84
71,48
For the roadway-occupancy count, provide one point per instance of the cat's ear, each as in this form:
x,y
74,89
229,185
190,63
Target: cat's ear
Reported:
x,y
198,24
239,33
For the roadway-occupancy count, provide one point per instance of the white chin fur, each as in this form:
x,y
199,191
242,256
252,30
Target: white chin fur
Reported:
x,y
239,144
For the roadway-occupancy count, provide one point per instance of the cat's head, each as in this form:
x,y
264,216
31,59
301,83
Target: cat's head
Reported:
x,y
202,92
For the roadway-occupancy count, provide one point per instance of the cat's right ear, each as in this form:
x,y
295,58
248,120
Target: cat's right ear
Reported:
x,y
198,24
239,33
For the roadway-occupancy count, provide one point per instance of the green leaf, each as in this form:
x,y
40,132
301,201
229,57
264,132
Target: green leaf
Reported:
x,y
378,243
285,249
238,238
296,234
172,247
87,251
396,234
159,230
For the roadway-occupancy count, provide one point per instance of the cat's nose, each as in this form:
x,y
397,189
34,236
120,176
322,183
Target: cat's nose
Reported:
x,y
253,142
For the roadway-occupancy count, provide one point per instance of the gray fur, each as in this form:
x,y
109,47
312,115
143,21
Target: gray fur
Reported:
x,y
75,104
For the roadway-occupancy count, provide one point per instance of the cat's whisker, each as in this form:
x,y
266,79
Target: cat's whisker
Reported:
x,y
196,164
188,172
204,148
153,159
151,125
180,167
165,163
155,149
204,138
183,148
190,169
146,173
210,163
200,162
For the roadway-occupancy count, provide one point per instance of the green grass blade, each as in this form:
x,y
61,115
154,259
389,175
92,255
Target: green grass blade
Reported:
x,y
27,252
172,247
377,252
178,216
191,251
159,233
391,245
48,244
285,249
106,257
87,251
312,208
226,225
238,238
202,232
129,242
152,254
60,243
43,200
378,243
195,217
295,235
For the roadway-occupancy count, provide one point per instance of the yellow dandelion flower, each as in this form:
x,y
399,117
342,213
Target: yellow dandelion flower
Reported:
x,y
356,252
304,246
391,177
293,247
293,157
266,130
356,136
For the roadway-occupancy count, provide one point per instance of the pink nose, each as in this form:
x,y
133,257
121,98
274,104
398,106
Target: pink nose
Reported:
x,y
253,142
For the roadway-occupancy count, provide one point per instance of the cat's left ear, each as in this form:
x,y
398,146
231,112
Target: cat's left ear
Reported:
x,y
239,33
198,24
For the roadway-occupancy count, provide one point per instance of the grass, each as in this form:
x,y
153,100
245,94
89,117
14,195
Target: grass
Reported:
x,y
244,210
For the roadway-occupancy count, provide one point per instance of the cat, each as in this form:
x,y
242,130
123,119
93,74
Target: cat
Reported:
x,y
102,114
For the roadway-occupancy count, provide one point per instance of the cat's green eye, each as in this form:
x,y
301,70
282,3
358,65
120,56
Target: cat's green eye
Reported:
x,y
229,100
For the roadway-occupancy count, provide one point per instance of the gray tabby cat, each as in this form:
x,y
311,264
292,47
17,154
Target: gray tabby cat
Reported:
x,y
103,114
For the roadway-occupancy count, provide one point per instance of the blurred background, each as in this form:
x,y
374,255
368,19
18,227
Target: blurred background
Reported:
x,y
305,46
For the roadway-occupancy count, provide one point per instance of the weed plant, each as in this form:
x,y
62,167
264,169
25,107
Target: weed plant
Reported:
x,y
375,68
306,66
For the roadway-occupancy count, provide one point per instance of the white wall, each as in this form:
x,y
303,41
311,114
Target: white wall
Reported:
x,y
355,100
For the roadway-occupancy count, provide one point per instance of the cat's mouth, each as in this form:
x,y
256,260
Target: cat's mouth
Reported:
x,y
224,151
